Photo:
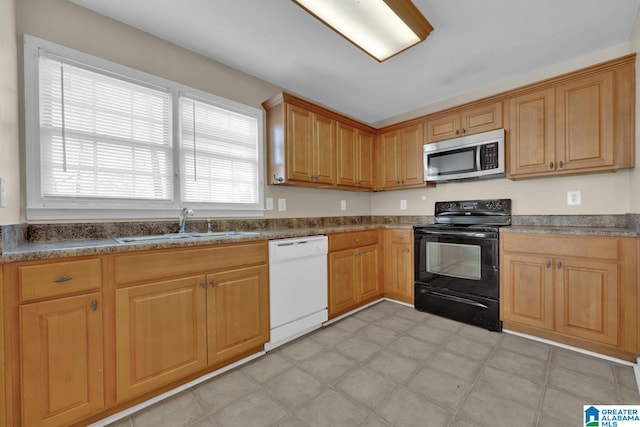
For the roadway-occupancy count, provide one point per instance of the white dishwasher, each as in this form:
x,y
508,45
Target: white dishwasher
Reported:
x,y
297,287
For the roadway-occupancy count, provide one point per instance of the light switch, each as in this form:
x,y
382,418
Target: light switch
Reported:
x,y
343,205
282,205
269,204
574,198
403,204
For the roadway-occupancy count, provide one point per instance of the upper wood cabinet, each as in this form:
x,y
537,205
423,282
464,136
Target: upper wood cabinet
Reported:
x,y
464,122
355,157
399,157
581,123
309,146
302,147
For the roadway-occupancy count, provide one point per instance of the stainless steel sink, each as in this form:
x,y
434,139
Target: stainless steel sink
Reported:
x,y
177,236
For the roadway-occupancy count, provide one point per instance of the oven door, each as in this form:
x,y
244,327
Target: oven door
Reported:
x,y
464,261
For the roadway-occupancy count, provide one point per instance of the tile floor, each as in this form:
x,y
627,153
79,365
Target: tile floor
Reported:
x,y
390,365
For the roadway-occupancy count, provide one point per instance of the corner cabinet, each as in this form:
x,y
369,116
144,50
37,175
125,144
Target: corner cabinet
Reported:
x,y
579,290
355,157
354,270
312,146
398,264
581,123
399,157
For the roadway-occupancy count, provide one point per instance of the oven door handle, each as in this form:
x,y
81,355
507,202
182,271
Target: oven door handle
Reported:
x,y
481,235
459,299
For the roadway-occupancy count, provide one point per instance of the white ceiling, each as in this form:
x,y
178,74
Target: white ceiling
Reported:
x,y
474,43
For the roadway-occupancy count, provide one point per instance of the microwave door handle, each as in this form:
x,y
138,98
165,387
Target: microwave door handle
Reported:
x,y
478,150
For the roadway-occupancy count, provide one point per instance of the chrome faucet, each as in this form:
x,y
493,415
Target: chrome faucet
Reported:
x,y
182,219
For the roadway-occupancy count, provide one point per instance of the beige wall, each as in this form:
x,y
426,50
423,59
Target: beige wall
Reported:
x,y
63,22
9,142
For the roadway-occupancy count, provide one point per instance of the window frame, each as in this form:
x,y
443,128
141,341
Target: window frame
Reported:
x,y
83,208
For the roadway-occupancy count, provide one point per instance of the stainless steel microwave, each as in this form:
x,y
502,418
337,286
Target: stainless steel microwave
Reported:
x,y
478,156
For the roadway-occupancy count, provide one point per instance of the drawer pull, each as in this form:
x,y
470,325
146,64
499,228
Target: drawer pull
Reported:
x,y
94,305
62,279
213,283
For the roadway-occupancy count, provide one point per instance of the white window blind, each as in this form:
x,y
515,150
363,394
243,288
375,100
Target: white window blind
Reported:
x,y
220,154
102,136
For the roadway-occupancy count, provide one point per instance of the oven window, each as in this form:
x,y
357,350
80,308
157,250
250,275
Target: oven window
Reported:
x,y
455,260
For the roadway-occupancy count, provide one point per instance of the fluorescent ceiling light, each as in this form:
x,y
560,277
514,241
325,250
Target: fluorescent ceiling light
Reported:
x,y
382,28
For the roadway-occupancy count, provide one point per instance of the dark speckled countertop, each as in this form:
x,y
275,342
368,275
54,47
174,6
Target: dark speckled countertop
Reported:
x,y
25,242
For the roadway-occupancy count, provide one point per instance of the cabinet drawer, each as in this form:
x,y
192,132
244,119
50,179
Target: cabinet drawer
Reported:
x,y
357,239
60,278
400,235
562,245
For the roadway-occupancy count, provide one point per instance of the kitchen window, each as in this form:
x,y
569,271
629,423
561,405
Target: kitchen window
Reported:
x,y
105,141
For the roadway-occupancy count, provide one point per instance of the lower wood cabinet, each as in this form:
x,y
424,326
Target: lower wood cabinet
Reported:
x,y
354,270
237,312
62,360
398,264
574,289
161,334
89,336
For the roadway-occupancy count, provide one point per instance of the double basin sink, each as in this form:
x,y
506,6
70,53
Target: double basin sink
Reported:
x,y
177,236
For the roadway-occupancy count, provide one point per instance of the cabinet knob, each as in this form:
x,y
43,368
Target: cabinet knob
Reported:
x,y
561,164
213,283
358,253
548,263
357,240
407,250
559,265
62,279
94,305
464,130
202,284
457,131
277,179
550,165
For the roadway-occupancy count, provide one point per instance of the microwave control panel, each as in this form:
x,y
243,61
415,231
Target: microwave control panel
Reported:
x,y
489,156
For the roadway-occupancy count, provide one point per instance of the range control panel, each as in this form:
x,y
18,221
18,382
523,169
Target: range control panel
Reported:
x,y
473,207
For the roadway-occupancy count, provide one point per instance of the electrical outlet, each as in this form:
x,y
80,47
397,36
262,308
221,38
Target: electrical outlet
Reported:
x,y
403,204
343,205
574,198
269,204
282,205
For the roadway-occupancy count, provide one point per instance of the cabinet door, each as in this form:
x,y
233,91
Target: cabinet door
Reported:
x,y
388,160
398,268
299,143
324,150
347,152
160,334
526,290
411,156
587,299
444,127
585,122
237,312
482,119
369,273
343,289
532,133
62,360
364,160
